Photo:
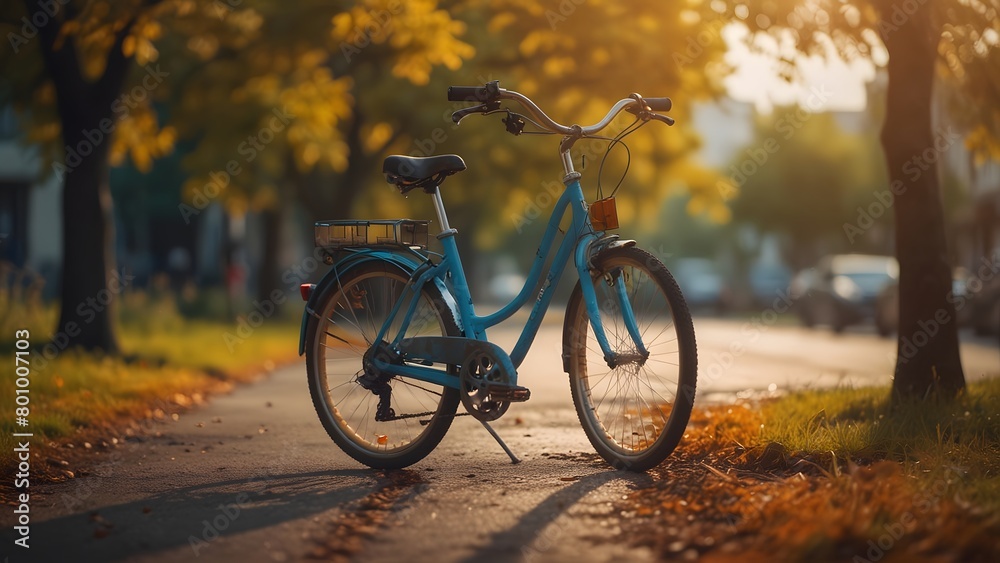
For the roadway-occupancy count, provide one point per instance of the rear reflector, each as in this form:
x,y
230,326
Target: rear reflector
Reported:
x,y
305,290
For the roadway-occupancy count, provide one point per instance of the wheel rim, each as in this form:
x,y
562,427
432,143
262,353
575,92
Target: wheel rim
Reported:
x,y
349,324
629,406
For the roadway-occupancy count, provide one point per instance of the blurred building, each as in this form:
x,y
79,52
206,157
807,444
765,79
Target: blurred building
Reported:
x,y
30,226
977,224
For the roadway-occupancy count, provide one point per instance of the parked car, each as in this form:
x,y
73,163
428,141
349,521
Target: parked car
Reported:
x,y
887,304
984,308
767,280
841,290
701,283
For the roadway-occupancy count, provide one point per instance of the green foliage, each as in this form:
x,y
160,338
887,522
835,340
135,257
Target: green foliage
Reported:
x,y
362,80
810,203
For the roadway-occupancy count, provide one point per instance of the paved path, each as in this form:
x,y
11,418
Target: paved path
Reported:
x,y
174,494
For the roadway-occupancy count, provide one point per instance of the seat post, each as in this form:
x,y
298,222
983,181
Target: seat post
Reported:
x,y
439,208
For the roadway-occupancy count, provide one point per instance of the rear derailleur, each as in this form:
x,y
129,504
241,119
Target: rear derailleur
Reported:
x,y
377,382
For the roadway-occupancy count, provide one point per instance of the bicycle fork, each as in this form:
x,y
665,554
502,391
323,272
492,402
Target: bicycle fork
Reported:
x,y
617,281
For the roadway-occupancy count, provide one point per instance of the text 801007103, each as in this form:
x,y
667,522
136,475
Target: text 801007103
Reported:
x,y
22,447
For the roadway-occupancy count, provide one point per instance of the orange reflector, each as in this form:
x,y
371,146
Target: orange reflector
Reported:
x,y
383,439
604,214
305,290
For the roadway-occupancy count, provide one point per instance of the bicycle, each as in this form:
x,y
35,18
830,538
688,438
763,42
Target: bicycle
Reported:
x,y
393,343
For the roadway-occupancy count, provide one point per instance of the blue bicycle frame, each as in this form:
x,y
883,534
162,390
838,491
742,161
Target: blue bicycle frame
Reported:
x,y
581,241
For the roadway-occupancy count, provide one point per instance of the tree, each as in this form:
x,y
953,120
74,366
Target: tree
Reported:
x,y
575,60
956,40
339,77
240,74
809,203
347,84
86,51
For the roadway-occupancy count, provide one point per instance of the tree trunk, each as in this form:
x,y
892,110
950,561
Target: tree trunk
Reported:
x,y
269,274
928,362
90,283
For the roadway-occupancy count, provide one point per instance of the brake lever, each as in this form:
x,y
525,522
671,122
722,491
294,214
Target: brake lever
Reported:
x,y
664,118
645,114
461,114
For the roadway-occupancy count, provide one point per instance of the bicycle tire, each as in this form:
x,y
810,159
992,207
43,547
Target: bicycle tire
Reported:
x,y
629,449
336,419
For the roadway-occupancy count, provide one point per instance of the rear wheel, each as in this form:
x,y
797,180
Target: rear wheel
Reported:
x,y
634,414
340,336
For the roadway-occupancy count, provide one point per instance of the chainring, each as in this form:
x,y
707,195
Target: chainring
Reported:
x,y
479,371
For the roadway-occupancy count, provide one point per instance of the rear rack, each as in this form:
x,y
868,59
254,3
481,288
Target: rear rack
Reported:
x,y
408,233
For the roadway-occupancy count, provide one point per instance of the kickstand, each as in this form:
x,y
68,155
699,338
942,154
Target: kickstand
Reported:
x,y
513,458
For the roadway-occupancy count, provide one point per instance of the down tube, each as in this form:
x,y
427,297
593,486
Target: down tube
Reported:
x,y
578,236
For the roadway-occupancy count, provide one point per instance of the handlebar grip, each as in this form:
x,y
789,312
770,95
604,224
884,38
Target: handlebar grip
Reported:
x,y
658,104
467,94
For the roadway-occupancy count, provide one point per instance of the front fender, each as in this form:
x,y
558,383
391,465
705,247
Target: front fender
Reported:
x,y
344,265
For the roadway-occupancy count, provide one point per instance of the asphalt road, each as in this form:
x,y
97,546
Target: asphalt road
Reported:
x,y
252,476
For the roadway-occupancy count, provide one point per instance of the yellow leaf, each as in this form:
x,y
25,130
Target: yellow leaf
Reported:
x,y
128,46
500,21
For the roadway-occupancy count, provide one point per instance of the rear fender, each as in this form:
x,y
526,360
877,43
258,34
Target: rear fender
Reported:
x,y
408,266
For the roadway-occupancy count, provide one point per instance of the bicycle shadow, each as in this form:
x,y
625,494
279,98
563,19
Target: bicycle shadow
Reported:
x,y
531,535
195,516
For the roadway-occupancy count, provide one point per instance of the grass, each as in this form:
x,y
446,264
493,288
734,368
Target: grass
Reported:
x,y
837,475
929,439
168,362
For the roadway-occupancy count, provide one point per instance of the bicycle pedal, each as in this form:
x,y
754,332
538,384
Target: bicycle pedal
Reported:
x,y
509,393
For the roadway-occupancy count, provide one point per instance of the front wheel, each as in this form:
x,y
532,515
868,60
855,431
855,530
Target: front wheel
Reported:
x,y
635,413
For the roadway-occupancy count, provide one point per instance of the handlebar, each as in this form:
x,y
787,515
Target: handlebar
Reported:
x,y
488,97
471,93
658,104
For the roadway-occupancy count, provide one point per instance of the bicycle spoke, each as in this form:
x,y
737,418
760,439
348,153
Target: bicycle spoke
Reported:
x,y
629,404
356,314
